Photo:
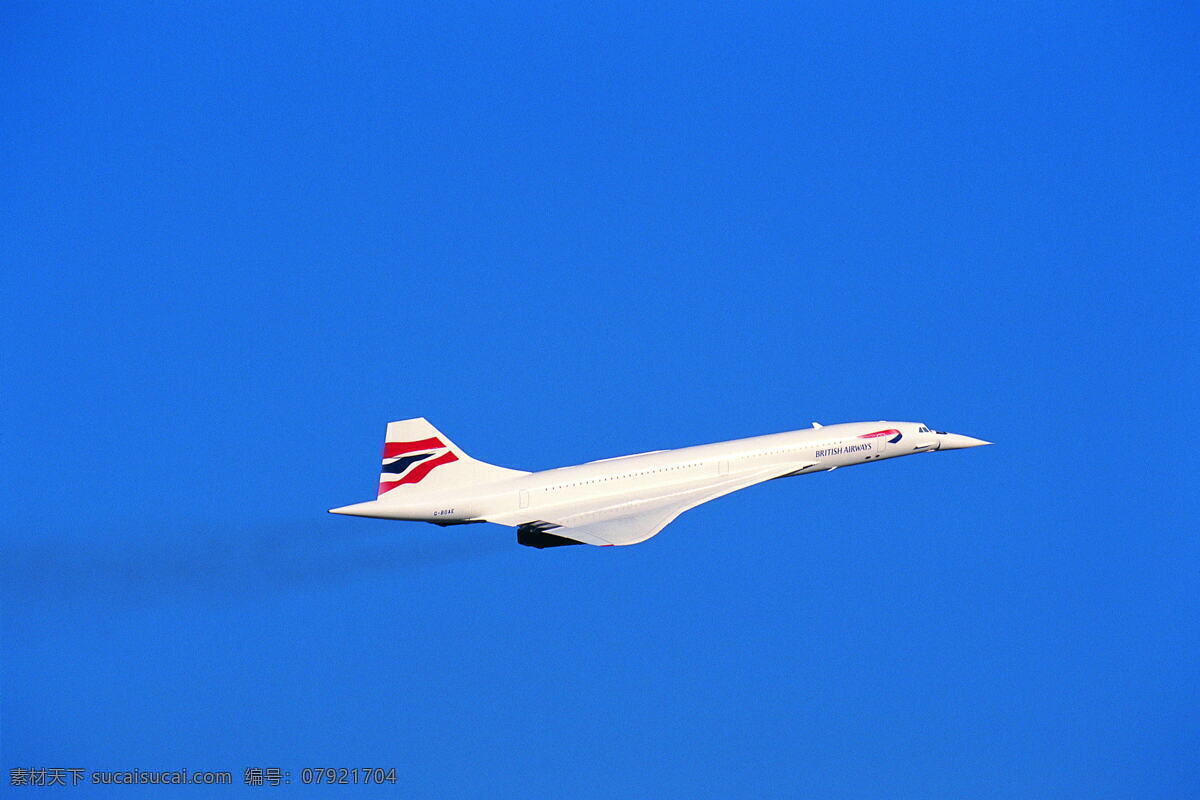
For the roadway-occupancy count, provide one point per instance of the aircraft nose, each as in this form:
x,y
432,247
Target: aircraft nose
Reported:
x,y
956,441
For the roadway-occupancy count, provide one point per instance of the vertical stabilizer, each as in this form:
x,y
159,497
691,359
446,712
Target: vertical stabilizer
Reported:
x,y
417,457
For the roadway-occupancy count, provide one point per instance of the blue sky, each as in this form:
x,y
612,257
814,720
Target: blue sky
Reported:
x,y
238,240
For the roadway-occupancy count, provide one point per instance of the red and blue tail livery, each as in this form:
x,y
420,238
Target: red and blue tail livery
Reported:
x,y
410,462
415,452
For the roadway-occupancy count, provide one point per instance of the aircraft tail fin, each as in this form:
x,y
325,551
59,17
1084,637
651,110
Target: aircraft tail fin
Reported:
x,y
418,457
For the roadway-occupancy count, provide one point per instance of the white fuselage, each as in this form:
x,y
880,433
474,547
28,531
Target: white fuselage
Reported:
x,y
537,495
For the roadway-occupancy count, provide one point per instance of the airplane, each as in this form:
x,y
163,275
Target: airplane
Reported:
x,y
616,501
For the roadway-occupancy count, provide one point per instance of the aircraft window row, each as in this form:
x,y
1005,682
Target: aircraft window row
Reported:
x,y
660,469
618,477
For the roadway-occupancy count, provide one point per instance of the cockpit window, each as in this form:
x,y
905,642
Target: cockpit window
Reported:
x,y
923,429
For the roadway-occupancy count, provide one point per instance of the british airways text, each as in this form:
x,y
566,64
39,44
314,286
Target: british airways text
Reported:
x,y
837,451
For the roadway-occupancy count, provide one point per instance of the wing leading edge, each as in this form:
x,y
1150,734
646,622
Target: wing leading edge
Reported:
x,y
606,522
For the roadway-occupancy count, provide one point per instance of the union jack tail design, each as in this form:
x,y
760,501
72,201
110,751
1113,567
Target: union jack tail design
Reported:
x,y
897,435
410,462
413,449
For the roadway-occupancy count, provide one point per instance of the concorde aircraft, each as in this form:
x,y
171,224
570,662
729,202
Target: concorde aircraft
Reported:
x,y
616,501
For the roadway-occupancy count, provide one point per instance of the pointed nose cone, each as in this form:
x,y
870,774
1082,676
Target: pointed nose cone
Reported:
x,y
956,441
